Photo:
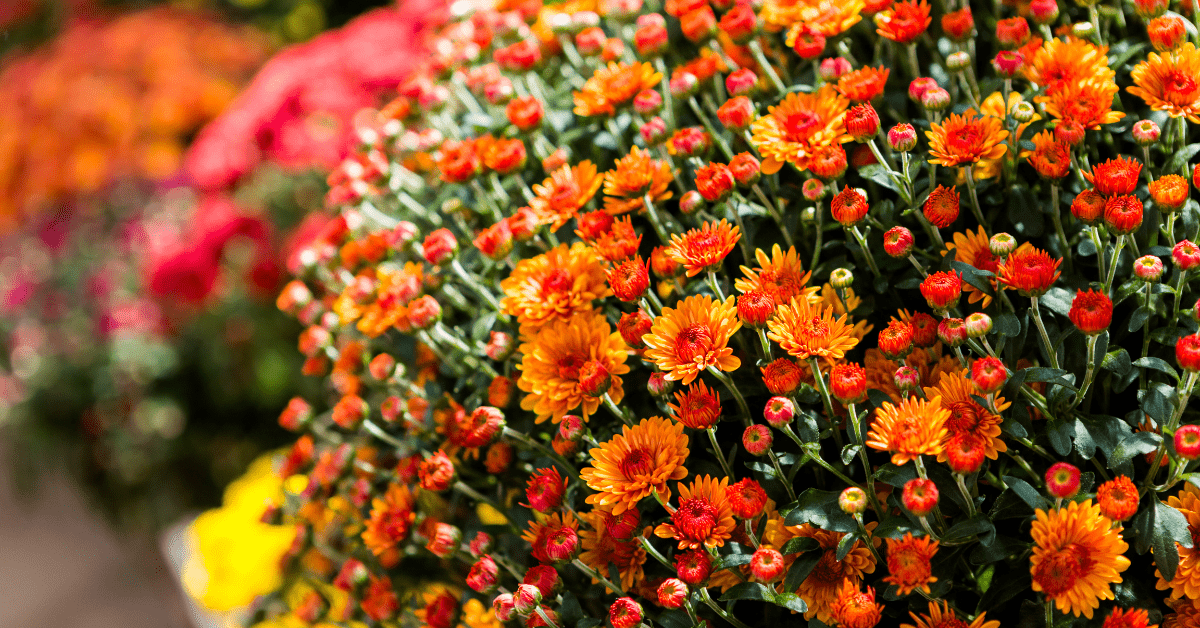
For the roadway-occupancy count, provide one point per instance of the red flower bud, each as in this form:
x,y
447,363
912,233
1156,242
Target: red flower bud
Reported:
x,y
942,290
849,207
1187,352
1187,442
862,122
988,374
746,169
693,566
1012,32
848,382
757,440
629,279
525,113
634,325
755,308
779,411
782,376
740,23
737,113
898,242
672,593
423,312
1123,214
436,472
1062,480
482,577
714,182
952,331
920,496
625,613
766,565
741,82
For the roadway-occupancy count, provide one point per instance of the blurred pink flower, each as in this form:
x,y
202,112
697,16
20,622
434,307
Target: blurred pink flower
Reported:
x,y
298,111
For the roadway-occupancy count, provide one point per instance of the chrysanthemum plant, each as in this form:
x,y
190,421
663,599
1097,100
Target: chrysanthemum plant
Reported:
x,y
849,313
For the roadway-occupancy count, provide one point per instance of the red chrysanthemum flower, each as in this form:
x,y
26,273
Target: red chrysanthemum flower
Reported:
x,y
700,249
941,208
545,489
629,279
1091,311
1123,214
1115,176
1118,498
942,290
855,609
715,182
699,406
848,382
863,84
849,207
896,340
782,376
1030,271
908,561
747,498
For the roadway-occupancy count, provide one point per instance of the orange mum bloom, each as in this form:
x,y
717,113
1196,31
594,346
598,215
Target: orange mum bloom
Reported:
x,y
699,406
966,415
694,336
391,519
555,360
552,536
855,609
965,139
554,285
908,563
863,84
1170,82
801,124
635,176
1063,62
904,22
824,17
973,249
700,249
1186,615
805,330
635,463
1050,157
1076,556
704,517
1087,104
604,544
944,617
614,86
915,427
820,589
567,190
1031,271
781,276
1186,583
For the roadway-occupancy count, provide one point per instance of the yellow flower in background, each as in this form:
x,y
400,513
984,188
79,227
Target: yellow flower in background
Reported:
x,y
236,557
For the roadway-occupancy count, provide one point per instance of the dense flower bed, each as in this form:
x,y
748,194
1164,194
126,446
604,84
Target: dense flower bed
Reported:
x,y
855,313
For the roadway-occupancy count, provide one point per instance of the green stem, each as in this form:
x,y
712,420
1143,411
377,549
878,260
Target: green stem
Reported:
x,y
1090,373
975,198
747,418
1112,269
866,252
712,438
757,51
1037,319
592,572
708,601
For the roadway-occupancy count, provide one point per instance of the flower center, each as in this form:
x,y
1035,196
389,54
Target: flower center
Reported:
x,y
964,417
965,139
558,280
695,518
1059,571
828,571
1179,84
815,328
693,343
637,463
568,367
799,125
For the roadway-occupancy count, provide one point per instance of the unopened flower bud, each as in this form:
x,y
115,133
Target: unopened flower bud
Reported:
x,y
988,374
625,613
504,606
978,324
594,379
672,593
1002,244
902,137
952,331
936,99
1185,255
526,599
684,84
920,496
907,378
746,169
741,82
1083,30
654,131
500,345
1187,442
813,189
648,102
779,412
1008,62
1043,11
862,122
958,61
833,68
853,500
898,242
841,278
1023,112
1148,268
691,202
424,311
1062,480
757,440
766,565
658,385
1146,132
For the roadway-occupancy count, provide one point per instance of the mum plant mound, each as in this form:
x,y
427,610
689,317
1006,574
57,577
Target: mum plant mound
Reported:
x,y
852,313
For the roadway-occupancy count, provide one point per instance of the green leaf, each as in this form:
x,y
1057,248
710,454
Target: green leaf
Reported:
x,y
571,612
846,543
981,279
1084,443
798,544
1117,361
878,174
1001,549
1118,60
1027,493
1007,324
792,602
820,508
893,475
800,570
671,619
1057,300
1181,157
1048,375
1138,318
1134,444
1159,527
977,525
730,561
1157,364
749,591
849,452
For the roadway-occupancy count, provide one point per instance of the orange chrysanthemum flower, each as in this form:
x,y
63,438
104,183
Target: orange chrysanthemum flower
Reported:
x,y
908,563
1077,554
1031,271
820,589
854,608
1062,62
694,336
965,139
704,517
781,276
636,463
613,86
1186,583
1087,104
863,84
824,17
634,176
801,124
1170,82
1050,157
904,22
914,428
700,249
602,547
699,406
568,189
805,330
973,248
391,519
944,617
966,415
556,358
554,285
1186,615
